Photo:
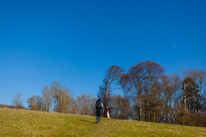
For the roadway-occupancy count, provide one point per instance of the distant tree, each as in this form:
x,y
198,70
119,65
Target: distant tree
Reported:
x,y
35,102
124,107
121,107
133,82
81,102
142,84
47,95
199,78
115,107
110,83
17,101
63,97
170,85
75,108
154,72
189,90
86,104
8,106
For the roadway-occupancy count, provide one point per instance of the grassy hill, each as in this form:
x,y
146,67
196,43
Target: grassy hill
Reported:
x,y
16,122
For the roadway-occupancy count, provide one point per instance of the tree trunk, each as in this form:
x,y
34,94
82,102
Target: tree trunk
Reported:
x,y
167,110
140,111
184,109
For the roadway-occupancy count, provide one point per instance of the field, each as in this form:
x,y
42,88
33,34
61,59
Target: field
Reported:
x,y
16,122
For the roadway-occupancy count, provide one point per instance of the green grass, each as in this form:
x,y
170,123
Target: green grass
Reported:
x,y
36,123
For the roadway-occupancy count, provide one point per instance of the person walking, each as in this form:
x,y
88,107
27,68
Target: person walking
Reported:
x,y
99,106
108,113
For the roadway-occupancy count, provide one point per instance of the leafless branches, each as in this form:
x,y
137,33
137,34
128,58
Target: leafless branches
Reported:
x,y
17,101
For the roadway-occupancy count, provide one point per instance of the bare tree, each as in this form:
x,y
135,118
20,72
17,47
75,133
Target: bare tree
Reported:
x,y
189,89
115,107
199,78
35,102
121,107
81,102
125,107
48,96
134,82
144,78
63,97
86,104
17,101
170,84
195,98
154,72
75,108
110,82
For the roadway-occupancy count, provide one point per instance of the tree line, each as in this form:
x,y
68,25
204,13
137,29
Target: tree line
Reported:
x,y
151,95
148,95
58,98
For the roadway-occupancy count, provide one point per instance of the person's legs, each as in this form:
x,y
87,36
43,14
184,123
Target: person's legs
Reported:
x,y
99,116
108,117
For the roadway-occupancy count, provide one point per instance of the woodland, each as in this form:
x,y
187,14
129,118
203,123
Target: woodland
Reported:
x,y
148,95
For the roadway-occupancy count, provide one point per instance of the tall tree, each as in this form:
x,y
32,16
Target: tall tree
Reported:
x,y
120,107
133,83
144,77
63,97
199,78
48,96
170,84
110,83
114,107
154,72
189,90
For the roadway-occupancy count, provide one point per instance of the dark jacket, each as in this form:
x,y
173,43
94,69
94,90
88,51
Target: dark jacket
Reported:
x,y
99,109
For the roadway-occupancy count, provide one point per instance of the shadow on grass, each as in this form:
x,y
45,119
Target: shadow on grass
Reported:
x,y
87,121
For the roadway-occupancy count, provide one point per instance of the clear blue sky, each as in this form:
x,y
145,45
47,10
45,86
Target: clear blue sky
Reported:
x,y
74,41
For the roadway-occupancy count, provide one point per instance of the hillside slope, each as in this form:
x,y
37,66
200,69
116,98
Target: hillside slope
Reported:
x,y
16,122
